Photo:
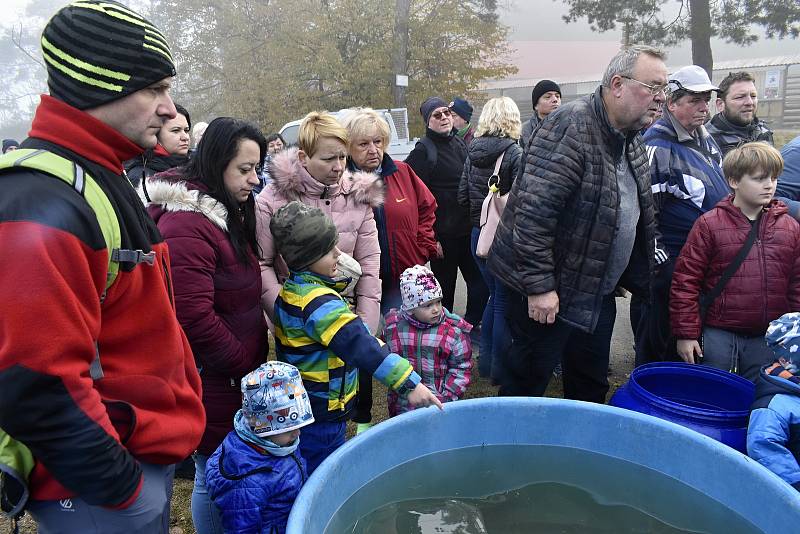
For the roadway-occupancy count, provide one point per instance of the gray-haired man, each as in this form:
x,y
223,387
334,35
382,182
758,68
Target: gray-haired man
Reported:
x,y
578,223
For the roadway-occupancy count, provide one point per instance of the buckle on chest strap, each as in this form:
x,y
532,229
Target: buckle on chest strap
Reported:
x,y
133,256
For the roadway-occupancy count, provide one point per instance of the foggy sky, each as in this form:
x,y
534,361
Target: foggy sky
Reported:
x,y
540,20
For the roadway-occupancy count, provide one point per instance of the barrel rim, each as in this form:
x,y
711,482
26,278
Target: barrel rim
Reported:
x,y
661,368
638,438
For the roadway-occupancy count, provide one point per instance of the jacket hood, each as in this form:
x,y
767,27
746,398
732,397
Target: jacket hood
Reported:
x,y
775,208
484,151
291,180
767,385
395,315
168,191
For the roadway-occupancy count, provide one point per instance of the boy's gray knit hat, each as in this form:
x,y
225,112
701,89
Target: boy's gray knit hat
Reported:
x,y
302,234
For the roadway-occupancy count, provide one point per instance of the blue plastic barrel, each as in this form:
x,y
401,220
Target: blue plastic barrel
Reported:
x,y
714,472
707,400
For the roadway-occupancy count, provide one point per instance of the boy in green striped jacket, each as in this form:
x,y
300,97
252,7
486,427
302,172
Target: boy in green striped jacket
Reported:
x,y
316,331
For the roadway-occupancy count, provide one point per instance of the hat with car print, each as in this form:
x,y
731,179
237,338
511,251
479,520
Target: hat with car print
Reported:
x,y
274,399
783,337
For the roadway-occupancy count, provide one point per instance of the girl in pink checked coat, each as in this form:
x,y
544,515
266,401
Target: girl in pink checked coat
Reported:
x,y
315,174
433,339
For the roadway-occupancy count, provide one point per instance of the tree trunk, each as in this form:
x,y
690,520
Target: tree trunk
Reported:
x,y
700,31
400,56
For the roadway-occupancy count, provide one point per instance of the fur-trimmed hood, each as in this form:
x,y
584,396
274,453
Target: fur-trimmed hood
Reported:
x,y
168,192
292,181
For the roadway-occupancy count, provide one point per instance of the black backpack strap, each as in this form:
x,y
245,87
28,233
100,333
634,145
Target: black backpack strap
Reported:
x,y
707,299
431,152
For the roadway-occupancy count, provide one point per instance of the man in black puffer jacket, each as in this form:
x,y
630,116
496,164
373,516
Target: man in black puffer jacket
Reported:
x,y
580,222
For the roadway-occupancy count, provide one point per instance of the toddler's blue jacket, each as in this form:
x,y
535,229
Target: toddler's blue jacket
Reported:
x,y
254,490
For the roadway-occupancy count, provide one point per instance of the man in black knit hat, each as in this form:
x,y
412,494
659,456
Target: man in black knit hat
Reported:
x,y
462,115
97,380
9,145
546,98
438,159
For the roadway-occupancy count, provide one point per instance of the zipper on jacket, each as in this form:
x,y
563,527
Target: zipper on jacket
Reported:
x,y
393,267
341,388
598,300
763,262
168,281
419,357
300,467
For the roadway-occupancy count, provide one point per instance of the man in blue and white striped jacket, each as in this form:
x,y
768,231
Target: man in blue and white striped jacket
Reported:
x,y
687,180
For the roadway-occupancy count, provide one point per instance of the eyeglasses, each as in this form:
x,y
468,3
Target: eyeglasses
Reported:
x,y
439,114
654,89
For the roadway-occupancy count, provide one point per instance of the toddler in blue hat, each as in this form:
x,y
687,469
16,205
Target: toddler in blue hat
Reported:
x,y
256,473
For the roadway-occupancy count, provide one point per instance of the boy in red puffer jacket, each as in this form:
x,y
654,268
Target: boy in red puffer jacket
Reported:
x,y
765,286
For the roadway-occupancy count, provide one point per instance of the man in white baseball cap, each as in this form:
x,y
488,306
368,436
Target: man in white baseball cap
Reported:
x,y
687,179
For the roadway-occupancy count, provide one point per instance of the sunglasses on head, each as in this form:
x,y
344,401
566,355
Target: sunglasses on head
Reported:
x,y
442,113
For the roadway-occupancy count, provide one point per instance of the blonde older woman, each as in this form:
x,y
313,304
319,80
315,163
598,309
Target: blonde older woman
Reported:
x,y
498,132
404,221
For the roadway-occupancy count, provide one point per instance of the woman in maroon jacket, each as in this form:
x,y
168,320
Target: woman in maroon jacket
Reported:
x,y
206,214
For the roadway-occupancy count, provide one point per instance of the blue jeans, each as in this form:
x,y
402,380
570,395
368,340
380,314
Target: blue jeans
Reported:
x,y
319,440
495,335
206,516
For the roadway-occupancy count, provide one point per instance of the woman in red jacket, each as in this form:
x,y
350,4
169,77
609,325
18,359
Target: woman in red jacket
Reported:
x,y
405,220
765,286
206,213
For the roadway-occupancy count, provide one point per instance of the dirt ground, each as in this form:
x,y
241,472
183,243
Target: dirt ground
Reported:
x,y
621,366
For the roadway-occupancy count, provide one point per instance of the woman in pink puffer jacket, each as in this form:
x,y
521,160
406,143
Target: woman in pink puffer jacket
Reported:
x,y
315,175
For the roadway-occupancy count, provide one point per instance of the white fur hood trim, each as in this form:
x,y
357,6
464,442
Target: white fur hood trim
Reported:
x,y
291,180
175,196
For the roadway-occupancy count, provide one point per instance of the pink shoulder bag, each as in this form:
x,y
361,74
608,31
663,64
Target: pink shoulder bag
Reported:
x,y
491,211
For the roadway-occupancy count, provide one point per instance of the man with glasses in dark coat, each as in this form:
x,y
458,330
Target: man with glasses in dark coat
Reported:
x,y
578,224
438,159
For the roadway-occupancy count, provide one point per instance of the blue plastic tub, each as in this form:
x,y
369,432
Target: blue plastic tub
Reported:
x,y
707,400
621,445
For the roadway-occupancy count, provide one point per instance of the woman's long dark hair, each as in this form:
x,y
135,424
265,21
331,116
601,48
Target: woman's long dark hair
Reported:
x,y
219,145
